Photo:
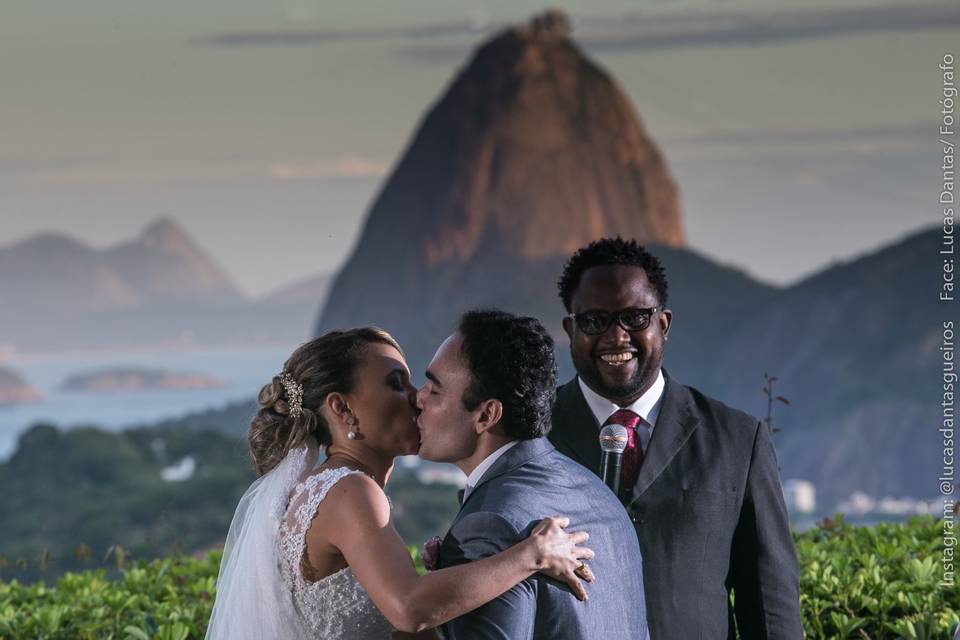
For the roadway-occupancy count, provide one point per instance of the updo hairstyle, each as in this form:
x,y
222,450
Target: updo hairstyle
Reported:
x,y
321,366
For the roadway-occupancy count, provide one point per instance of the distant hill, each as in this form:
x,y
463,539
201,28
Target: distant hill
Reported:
x,y
56,274
292,310
232,419
159,288
15,390
855,348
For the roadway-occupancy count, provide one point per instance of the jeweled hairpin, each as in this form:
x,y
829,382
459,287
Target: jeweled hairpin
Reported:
x,y
294,391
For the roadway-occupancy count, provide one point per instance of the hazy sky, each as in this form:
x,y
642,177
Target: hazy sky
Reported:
x,y
798,136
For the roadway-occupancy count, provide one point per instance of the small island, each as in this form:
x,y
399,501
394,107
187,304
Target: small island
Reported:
x,y
15,390
123,379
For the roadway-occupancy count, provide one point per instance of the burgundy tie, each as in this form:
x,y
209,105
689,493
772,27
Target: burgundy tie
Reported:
x,y
633,454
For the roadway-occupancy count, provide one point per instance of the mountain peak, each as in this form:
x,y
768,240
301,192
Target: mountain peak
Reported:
x,y
533,150
165,260
552,24
165,232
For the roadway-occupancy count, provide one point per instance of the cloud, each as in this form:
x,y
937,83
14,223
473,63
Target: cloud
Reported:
x,y
907,134
346,167
857,142
639,31
102,171
310,37
733,27
115,172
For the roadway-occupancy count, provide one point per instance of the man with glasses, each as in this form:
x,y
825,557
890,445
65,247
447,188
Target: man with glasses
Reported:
x,y
700,479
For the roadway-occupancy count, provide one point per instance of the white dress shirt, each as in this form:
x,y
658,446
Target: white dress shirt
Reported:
x,y
482,468
646,406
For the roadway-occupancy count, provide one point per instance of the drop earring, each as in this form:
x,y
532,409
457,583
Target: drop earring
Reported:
x,y
353,434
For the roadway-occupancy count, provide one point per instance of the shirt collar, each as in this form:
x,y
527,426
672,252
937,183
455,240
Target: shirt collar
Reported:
x,y
484,466
646,406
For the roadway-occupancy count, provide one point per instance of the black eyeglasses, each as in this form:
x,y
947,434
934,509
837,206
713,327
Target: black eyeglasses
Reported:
x,y
594,323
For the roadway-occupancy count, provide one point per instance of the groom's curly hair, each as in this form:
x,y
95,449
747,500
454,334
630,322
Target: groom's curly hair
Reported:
x,y
511,360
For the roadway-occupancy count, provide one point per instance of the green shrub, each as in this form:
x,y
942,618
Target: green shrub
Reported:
x,y
880,582
167,599
876,582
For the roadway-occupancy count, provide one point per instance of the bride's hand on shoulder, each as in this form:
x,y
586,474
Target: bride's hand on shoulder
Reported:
x,y
559,555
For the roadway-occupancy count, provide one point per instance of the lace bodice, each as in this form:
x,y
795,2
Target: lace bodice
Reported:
x,y
336,606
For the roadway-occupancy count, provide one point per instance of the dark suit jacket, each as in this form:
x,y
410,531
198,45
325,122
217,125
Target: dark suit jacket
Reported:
x,y
529,482
709,514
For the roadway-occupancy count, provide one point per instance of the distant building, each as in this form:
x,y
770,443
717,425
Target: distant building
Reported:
x,y
903,506
445,474
179,472
800,495
859,503
409,462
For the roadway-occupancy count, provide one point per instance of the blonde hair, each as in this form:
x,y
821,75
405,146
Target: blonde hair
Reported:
x,y
321,366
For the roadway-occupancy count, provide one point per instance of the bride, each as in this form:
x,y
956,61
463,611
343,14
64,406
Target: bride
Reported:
x,y
312,552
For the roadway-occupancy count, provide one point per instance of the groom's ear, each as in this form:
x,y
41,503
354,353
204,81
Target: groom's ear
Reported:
x,y
490,413
568,327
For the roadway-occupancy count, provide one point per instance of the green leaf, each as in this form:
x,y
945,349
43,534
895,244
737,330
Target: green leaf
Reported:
x,y
135,633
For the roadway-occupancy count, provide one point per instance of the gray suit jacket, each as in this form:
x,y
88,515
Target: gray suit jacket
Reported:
x,y
528,483
709,514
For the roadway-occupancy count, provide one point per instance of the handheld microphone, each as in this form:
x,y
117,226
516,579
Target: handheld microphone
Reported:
x,y
613,440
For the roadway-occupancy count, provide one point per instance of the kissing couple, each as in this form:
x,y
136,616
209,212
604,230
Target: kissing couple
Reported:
x,y
312,551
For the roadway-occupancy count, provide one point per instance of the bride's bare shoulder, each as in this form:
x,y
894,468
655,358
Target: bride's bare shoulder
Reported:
x,y
358,501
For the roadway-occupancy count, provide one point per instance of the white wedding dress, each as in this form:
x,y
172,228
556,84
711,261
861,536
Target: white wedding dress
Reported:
x,y
261,591
335,606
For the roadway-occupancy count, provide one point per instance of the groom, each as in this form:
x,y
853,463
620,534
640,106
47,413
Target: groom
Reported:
x,y
486,408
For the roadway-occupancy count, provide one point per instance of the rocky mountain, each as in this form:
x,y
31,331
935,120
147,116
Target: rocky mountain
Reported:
x,y
56,274
532,151
159,288
164,263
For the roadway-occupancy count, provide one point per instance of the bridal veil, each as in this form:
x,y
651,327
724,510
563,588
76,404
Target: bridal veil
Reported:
x,y
252,601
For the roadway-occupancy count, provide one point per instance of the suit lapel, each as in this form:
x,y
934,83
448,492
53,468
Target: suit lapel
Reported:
x,y
572,422
676,421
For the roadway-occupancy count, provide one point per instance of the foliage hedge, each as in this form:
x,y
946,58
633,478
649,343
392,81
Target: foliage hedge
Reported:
x,y
880,582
